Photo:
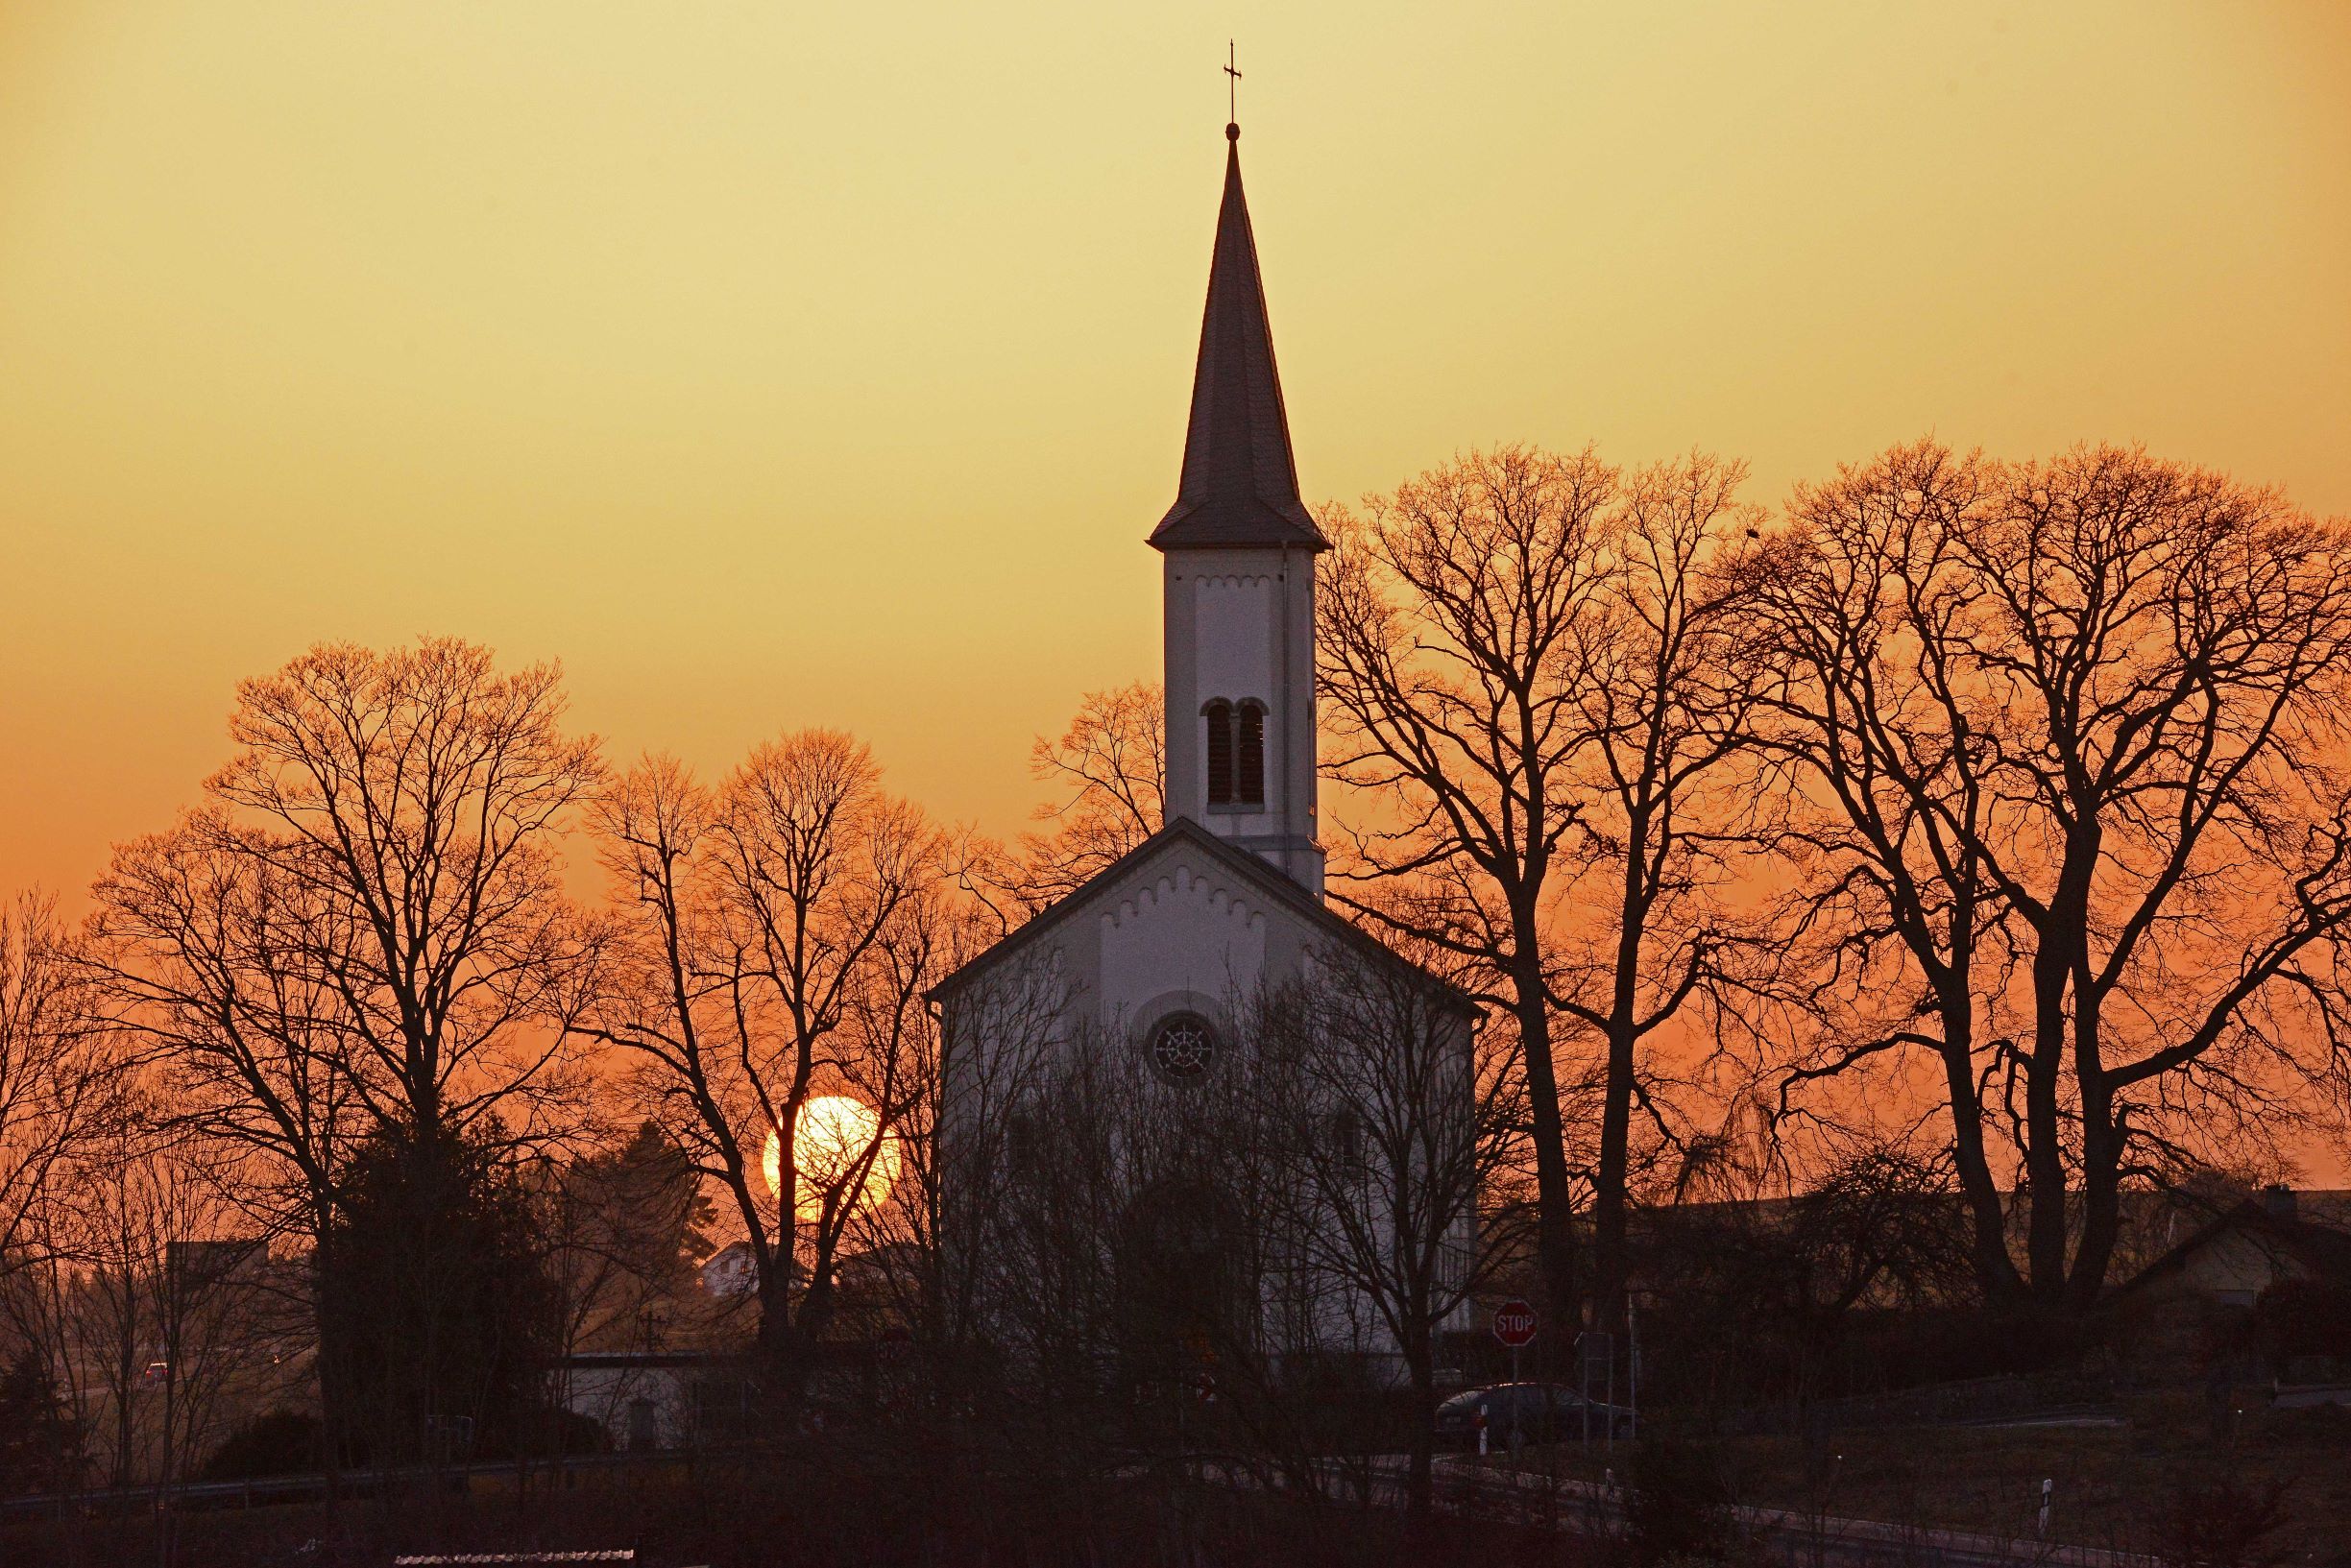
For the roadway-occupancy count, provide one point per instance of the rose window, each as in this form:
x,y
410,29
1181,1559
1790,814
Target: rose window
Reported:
x,y
1183,1045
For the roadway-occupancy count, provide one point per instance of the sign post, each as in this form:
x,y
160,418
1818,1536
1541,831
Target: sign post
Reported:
x,y
1596,1346
1632,1370
1515,1325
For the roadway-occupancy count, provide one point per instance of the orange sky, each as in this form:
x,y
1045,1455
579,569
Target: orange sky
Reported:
x,y
778,364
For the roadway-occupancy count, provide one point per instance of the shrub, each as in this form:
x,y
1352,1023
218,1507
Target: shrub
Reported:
x,y
273,1443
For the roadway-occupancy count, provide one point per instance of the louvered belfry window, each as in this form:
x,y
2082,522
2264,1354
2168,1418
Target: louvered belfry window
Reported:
x,y
1248,754
1220,714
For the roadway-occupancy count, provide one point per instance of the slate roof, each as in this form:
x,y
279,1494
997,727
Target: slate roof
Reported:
x,y
1240,486
1266,880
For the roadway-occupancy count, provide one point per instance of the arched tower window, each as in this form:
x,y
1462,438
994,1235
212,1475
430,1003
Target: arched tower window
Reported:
x,y
1248,754
1220,714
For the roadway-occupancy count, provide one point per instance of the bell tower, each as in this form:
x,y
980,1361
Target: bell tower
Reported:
x,y
1238,556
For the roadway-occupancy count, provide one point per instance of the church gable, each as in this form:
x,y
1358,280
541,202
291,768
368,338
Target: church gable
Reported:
x,y
1184,932
1183,920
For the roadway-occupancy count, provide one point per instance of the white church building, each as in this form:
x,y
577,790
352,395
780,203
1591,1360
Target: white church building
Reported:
x,y
1226,901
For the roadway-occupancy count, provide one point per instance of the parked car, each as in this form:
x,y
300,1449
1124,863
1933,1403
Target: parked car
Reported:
x,y
1542,1412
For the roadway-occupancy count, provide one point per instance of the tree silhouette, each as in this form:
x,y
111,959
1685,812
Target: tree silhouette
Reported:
x,y
1535,691
779,934
2073,734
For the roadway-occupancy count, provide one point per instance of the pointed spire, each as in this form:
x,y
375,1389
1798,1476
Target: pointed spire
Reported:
x,y
1240,483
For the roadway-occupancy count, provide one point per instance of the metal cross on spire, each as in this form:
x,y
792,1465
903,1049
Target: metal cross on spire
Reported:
x,y
1232,89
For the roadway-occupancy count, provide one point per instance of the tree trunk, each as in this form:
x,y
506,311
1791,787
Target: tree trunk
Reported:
x,y
1609,1196
2045,1243
1622,1038
2102,1193
1554,1197
782,1362
1419,1481
1996,1271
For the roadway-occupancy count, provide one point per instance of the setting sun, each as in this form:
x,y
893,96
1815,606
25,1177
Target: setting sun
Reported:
x,y
835,1132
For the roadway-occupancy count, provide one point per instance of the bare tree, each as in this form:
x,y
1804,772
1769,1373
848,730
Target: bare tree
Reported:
x,y
422,792
1666,810
2074,728
1107,770
1750,1299
778,946
1447,654
1879,1228
61,1064
47,1379
1051,1292
159,1321
1393,1124
968,1096
362,941
1533,658
1898,913
622,1232
371,914
204,950
1133,1272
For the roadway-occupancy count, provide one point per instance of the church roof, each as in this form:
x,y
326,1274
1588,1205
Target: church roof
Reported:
x,y
1240,483
1268,879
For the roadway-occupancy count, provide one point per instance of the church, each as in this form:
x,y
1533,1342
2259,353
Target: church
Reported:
x,y
1159,954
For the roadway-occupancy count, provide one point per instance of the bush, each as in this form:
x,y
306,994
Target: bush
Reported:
x,y
550,1432
40,1446
2302,1318
2223,1522
1679,1508
273,1444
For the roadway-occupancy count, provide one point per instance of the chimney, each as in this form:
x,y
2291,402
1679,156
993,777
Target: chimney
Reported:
x,y
2277,1200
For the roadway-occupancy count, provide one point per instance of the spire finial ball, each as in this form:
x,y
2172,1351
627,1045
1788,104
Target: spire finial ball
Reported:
x,y
1232,131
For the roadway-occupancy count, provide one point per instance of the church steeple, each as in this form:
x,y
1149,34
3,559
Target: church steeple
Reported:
x,y
1240,484
1237,564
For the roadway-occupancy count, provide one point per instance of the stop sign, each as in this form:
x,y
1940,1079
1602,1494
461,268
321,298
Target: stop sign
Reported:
x,y
1514,1324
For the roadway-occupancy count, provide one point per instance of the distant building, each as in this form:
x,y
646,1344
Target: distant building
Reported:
x,y
2194,1304
2235,1256
730,1271
649,1400
196,1264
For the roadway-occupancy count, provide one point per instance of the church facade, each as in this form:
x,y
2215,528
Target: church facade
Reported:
x,y
1164,958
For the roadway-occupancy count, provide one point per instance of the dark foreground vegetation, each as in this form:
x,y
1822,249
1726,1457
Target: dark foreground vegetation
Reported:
x,y
2155,1481
2156,1488
842,1505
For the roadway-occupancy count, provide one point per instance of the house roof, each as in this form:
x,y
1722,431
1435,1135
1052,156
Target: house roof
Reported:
x,y
2323,1249
1270,882
1240,486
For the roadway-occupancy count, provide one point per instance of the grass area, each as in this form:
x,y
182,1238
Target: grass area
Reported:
x,y
2279,1482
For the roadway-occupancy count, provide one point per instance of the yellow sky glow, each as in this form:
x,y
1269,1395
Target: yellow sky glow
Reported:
x,y
775,365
